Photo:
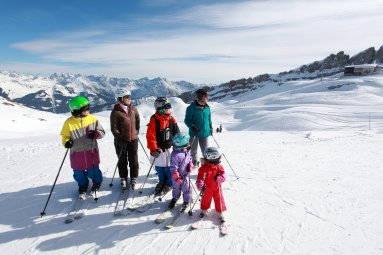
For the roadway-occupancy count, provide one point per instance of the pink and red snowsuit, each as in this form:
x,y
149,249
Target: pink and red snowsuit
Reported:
x,y
207,174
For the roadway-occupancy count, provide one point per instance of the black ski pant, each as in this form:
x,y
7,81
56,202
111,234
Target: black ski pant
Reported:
x,y
128,154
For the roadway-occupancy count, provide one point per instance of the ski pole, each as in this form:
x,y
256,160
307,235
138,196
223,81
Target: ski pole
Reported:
x,y
200,195
220,194
151,166
226,159
192,185
118,161
191,194
94,171
143,149
54,184
162,197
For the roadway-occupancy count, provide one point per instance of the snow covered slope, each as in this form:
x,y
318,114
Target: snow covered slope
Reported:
x,y
309,167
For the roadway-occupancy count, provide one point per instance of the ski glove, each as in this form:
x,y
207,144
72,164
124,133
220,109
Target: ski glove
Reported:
x,y
91,134
195,129
189,167
176,177
220,177
69,144
156,153
199,183
122,144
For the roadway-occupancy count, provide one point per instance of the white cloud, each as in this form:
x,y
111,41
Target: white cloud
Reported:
x,y
217,43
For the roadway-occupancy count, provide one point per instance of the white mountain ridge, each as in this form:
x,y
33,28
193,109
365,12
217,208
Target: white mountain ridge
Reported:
x,y
54,92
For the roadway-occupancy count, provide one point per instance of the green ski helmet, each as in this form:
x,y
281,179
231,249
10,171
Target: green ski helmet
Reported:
x,y
77,103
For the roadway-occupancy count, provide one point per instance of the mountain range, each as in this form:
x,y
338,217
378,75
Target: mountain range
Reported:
x,y
332,64
54,92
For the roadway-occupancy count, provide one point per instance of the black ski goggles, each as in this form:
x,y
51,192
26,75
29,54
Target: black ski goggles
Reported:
x,y
167,106
85,108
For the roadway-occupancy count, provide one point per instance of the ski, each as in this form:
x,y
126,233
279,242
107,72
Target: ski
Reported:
x,y
143,205
147,202
198,224
175,219
223,228
163,216
121,202
79,209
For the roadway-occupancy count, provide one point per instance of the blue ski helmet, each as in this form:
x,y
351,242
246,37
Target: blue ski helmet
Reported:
x,y
181,140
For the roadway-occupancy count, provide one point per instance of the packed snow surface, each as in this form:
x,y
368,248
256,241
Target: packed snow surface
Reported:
x,y
308,155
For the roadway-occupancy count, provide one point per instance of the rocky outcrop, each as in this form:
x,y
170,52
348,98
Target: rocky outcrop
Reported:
x,y
332,61
189,96
379,56
365,57
331,65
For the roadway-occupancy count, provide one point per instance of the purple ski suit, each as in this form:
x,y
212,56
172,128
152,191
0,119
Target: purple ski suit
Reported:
x,y
180,162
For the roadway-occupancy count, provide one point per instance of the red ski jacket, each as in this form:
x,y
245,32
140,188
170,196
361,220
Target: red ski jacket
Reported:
x,y
208,172
161,137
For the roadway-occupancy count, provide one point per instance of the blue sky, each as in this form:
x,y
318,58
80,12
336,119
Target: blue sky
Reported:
x,y
199,41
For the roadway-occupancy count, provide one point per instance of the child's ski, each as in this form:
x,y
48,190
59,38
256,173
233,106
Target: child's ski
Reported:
x,y
222,228
163,216
121,202
175,219
198,224
79,209
147,202
142,205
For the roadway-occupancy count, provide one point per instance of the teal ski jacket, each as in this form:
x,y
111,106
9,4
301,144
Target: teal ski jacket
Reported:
x,y
198,120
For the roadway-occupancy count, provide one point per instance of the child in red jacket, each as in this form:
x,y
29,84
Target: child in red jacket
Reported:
x,y
210,177
161,129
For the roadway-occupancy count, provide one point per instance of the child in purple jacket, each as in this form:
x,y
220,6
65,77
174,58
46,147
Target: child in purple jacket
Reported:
x,y
180,168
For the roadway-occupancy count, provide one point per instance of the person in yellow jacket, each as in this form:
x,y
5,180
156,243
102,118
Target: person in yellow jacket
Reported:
x,y
79,134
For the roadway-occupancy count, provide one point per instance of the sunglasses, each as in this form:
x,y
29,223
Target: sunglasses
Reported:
x,y
168,106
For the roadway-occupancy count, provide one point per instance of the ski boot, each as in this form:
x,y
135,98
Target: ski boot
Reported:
x,y
166,188
133,182
123,183
96,186
172,203
159,188
221,217
202,213
82,192
184,206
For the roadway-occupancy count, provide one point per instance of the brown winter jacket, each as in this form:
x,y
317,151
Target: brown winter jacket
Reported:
x,y
125,125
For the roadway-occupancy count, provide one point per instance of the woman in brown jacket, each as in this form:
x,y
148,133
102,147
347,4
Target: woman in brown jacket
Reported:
x,y
125,125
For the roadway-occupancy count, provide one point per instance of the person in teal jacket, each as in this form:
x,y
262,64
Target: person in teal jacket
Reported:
x,y
198,120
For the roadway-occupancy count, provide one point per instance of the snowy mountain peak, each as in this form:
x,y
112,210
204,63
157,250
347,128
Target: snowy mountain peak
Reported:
x,y
54,92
